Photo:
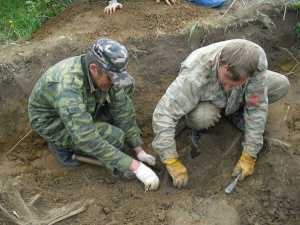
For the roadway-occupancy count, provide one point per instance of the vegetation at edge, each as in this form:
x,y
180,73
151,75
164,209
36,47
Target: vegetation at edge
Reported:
x,y
20,18
296,5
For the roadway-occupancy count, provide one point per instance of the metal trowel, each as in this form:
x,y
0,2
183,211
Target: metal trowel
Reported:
x,y
230,188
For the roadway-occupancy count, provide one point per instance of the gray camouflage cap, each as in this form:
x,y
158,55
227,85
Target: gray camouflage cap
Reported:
x,y
113,57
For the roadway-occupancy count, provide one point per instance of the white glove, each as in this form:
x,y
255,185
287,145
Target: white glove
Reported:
x,y
147,177
169,2
113,5
145,157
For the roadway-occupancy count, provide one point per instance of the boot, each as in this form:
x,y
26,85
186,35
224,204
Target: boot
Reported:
x,y
63,156
238,120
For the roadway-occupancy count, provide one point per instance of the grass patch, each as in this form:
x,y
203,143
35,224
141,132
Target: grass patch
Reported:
x,y
296,5
20,18
297,29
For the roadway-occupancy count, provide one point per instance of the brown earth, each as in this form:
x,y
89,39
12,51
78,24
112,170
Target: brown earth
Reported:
x,y
153,35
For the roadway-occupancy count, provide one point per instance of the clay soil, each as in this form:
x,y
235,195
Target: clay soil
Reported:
x,y
153,35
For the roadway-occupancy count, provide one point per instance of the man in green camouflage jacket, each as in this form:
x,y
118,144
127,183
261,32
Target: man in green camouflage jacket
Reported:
x,y
83,104
231,77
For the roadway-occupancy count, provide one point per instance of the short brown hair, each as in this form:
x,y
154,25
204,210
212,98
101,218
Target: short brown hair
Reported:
x,y
242,56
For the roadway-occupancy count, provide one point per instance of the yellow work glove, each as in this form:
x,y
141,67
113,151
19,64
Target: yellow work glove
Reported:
x,y
245,165
177,171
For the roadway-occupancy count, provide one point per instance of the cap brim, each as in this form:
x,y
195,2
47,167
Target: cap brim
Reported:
x,y
121,79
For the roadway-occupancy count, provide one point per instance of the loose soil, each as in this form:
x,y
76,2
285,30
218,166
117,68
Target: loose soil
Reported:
x,y
157,45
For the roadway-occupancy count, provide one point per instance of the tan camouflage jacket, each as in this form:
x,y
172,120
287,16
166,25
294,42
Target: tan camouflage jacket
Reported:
x,y
197,82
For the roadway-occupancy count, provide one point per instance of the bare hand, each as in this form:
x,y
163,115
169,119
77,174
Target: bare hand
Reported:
x,y
112,7
168,2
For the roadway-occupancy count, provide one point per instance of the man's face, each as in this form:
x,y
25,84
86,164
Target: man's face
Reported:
x,y
224,76
101,79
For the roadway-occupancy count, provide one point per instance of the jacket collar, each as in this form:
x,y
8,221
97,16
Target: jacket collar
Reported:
x,y
86,72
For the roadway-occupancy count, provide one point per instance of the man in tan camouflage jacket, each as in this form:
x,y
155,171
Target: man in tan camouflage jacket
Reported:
x,y
230,77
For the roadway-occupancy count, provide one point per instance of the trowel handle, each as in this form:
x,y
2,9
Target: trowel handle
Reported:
x,y
87,160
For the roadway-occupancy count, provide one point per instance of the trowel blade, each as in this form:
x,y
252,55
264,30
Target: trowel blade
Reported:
x,y
230,188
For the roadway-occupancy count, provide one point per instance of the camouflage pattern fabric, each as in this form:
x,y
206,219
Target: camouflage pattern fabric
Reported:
x,y
113,58
64,106
197,82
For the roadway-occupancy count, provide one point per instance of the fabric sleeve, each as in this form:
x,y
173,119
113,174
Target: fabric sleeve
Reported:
x,y
123,113
256,108
181,97
255,114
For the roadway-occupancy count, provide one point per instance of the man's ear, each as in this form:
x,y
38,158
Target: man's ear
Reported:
x,y
93,68
226,66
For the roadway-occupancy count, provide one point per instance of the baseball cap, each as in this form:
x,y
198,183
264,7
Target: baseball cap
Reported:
x,y
113,58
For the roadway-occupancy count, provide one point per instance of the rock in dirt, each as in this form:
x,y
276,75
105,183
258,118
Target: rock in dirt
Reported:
x,y
161,217
115,199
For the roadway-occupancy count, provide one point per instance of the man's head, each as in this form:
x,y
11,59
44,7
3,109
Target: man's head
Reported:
x,y
238,61
230,80
107,61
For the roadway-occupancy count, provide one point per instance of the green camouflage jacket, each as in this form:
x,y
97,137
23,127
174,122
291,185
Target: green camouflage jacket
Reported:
x,y
64,100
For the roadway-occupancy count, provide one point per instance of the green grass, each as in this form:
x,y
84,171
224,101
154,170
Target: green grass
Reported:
x,y
297,29
20,18
296,5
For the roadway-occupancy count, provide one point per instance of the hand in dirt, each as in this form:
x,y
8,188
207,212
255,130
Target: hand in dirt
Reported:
x,y
168,2
144,157
245,165
177,171
147,177
113,5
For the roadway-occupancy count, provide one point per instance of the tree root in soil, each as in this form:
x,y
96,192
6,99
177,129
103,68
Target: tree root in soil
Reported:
x,y
16,210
